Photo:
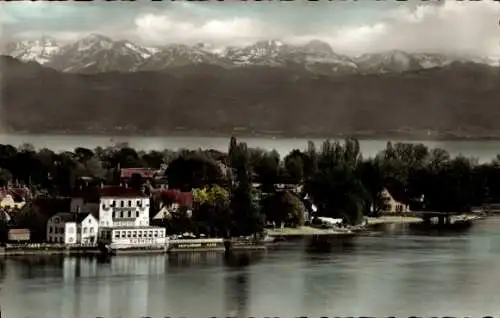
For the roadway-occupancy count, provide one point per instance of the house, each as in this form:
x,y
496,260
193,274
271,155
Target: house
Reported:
x,y
119,207
71,228
124,219
56,227
19,235
391,205
171,202
126,174
14,198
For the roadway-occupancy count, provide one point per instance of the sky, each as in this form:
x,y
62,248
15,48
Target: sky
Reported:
x,y
350,27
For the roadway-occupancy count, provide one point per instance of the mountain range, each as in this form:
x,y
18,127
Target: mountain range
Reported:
x,y
97,85
97,53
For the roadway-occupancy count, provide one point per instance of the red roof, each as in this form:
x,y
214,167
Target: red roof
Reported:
x,y
176,196
120,192
16,193
143,172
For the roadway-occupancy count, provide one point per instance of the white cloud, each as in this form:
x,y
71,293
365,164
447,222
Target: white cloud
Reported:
x,y
452,26
457,27
162,29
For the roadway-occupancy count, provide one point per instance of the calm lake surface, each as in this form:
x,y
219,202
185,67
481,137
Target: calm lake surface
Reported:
x,y
399,272
482,150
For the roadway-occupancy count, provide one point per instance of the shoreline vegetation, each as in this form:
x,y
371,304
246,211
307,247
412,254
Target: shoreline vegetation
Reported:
x,y
247,192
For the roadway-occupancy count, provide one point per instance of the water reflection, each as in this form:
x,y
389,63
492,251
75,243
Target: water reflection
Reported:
x,y
396,272
237,283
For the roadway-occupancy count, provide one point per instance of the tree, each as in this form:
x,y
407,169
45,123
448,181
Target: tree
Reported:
x,y
244,205
284,208
294,165
193,171
212,213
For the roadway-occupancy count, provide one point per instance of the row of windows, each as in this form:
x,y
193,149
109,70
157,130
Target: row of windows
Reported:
x,y
128,214
138,233
56,240
56,230
60,230
121,204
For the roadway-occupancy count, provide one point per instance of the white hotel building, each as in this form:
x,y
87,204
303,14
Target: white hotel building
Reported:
x,y
120,219
124,220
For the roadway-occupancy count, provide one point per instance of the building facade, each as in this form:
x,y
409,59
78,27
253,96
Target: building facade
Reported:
x,y
124,220
71,228
129,237
392,205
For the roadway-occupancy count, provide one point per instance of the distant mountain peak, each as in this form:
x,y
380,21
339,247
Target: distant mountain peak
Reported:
x,y
99,53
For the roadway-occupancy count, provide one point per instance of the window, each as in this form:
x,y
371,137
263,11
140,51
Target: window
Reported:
x,y
134,234
129,203
84,230
123,234
138,203
156,234
128,234
117,234
114,215
150,234
113,203
139,234
160,234
50,229
129,214
122,203
91,230
121,214
136,214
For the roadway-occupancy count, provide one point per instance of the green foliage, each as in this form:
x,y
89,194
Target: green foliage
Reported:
x,y
284,208
339,181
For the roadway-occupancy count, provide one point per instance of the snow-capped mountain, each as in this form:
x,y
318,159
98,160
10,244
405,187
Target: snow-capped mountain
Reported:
x,y
314,55
40,51
387,62
180,55
96,53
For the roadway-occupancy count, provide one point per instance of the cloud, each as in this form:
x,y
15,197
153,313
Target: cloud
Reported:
x,y
162,29
455,27
447,26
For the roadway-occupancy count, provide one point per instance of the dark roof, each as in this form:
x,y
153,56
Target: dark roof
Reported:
x,y
143,172
81,216
120,192
397,194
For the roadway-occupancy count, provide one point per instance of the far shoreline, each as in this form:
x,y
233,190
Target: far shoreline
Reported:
x,y
394,137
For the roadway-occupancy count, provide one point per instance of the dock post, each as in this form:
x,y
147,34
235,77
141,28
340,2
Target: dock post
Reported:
x,y
427,220
227,245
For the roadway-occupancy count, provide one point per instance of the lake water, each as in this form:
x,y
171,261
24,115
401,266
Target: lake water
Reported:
x,y
483,150
400,272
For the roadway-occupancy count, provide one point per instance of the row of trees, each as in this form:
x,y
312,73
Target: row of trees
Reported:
x,y
339,180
